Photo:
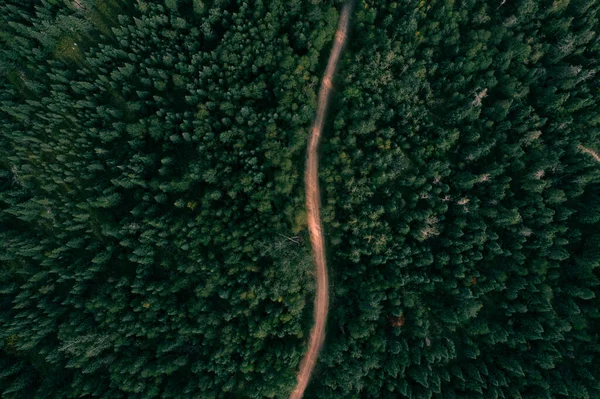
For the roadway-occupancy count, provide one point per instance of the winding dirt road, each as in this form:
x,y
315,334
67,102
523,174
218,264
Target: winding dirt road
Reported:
x,y
313,208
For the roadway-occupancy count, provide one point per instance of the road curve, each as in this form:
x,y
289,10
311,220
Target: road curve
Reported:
x,y
313,209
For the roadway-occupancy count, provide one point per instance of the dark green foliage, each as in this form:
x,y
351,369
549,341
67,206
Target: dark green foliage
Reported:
x,y
458,198
153,240
150,174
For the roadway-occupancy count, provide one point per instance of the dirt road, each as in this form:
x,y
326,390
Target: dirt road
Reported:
x,y
589,151
313,209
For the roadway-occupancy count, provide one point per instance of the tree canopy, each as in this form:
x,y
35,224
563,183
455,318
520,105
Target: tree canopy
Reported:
x,y
153,237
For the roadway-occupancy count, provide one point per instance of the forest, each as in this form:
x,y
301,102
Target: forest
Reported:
x,y
153,229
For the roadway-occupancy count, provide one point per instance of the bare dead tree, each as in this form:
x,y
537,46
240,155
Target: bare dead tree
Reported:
x,y
480,96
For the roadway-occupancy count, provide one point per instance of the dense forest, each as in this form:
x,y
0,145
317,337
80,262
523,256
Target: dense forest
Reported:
x,y
153,239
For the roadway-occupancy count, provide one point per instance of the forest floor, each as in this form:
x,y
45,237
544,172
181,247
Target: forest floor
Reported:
x,y
313,207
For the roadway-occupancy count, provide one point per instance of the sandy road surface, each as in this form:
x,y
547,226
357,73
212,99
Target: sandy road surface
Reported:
x,y
313,208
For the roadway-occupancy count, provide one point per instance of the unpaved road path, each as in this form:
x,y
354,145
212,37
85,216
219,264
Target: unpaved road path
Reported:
x,y
589,151
313,209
